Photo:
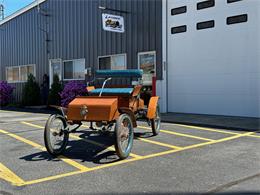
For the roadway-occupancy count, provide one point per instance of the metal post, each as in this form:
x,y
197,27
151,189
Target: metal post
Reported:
x,y
2,12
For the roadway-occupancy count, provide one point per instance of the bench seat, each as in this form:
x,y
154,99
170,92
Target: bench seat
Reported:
x,y
119,73
112,91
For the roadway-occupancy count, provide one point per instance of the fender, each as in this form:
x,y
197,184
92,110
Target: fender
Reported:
x,y
62,110
152,107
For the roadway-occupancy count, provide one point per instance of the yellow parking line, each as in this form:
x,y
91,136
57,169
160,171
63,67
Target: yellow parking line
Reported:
x,y
86,140
32,125
135,159
7,111
78,172
207,129
40,147
159,143
50,178
255,136
153,142
218,131
9,176
111,148
35,145
179,134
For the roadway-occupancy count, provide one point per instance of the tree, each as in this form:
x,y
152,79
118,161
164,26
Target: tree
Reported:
x,y
56,88
31,92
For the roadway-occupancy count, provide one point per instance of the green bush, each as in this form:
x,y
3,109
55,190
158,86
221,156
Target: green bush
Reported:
x,y
56,88
31,92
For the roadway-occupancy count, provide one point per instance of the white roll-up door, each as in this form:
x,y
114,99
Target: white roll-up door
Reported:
x,y
213,57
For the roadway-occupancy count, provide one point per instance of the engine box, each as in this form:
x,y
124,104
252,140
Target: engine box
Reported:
x,y
93,108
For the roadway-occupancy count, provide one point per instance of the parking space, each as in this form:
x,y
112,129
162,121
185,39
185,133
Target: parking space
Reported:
x,y
25,162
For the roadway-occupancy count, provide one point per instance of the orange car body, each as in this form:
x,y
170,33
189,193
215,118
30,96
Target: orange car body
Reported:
x,y
98,109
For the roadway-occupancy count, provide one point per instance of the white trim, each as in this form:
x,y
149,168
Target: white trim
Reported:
x,y
162,85
113,56
21,11
63,78
50,69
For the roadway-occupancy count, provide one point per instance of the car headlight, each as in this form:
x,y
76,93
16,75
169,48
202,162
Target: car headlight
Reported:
x,y
84,111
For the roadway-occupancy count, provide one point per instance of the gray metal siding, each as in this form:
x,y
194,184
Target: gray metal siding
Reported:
x,y
75,31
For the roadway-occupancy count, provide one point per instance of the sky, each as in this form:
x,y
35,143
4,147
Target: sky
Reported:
x,y
12,6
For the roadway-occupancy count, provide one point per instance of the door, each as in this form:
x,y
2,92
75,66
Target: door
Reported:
x,y
55,68
213,66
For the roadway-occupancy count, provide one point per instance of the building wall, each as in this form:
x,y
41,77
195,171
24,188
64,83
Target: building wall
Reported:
x,y
214,70
75,31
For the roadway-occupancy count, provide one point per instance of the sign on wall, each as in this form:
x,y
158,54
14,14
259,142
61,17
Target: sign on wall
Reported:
x,y
113,23
147,62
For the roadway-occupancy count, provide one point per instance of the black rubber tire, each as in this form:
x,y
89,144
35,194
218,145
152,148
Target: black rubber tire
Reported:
x,y
156,123
47,133
123,154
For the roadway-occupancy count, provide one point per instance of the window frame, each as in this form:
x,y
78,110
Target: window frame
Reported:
x,y
19,73
105,56
63,69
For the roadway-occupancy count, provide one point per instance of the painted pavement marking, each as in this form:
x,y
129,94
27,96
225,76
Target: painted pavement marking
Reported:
x,y
40,147
9,176
179,134
111,148
135,159
153,142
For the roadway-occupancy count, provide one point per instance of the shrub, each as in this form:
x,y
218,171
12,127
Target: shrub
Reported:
x,y
56,88
31,92
6,91
71,90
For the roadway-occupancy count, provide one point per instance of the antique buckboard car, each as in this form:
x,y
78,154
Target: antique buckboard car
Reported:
x,y
115,109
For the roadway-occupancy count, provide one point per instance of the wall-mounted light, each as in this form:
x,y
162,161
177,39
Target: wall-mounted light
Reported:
x,y
110,9
101,7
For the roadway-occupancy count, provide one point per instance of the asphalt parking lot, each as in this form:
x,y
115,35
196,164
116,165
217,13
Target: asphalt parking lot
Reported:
x,y
181,159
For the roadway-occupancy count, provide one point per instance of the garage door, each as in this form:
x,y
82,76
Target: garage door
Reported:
x,y
213,57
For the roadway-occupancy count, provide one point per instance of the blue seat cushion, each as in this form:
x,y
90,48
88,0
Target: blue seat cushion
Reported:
x,y
120,73
113,91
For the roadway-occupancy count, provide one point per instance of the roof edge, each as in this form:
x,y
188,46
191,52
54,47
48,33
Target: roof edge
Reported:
x,y
21,11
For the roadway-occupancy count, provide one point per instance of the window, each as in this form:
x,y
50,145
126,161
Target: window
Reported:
x,y
19,73
179,29
25,71
147,62
204,25
74,69
113,62
179,10
205,4
237,19
232,1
